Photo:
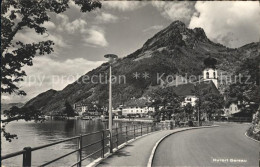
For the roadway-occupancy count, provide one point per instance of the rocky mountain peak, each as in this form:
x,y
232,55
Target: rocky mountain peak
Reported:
x,y
175,35
177,25
200,34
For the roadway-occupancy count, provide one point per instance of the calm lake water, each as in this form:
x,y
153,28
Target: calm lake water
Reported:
x,y
36,134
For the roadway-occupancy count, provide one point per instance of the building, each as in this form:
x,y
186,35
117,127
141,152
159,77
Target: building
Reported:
x,y
209,81
231,109
135,107
189,99
88,109
188,91
210,72
138,110
81,108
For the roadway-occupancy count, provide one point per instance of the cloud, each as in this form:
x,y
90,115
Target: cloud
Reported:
x,y
77,24
153,28
48,73
123,5
106,18
5,98
91,36
30,36
71,27
73,5
182,10
95,37
49,25
230,23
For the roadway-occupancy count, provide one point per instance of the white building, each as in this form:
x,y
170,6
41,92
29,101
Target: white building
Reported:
x,y
81,108
189,99
87,108
210,74
232,109
142,111
137,110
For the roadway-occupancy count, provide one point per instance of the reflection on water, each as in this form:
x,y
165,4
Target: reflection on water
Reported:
x,y
36,134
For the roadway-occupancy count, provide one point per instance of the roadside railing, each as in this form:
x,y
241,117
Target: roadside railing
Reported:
x,y
106,143
120,135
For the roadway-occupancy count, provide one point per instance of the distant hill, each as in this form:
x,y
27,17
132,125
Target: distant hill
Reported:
x,y
174,50
42,99
7,106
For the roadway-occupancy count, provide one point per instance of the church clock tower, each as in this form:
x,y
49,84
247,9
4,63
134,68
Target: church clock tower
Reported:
x,y
210,71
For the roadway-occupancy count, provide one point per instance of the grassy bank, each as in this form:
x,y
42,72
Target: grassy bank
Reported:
x,y
251,132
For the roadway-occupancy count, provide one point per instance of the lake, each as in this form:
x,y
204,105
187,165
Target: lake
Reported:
x,y
36,134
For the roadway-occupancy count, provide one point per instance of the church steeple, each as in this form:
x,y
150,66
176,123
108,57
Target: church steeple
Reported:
x,y
210,71
210,62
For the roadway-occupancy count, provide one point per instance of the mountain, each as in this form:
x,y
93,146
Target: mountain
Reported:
x,y
42,99
176,50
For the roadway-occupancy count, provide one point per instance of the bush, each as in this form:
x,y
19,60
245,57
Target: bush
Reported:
x,y
190,123
253,135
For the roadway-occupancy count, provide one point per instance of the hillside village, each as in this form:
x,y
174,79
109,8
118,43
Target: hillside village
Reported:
x,y
218,92
168,53
143,108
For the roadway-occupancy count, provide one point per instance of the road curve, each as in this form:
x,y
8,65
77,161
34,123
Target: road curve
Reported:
x,y
222,146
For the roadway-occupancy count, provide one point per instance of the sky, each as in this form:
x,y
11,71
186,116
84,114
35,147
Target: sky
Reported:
x,y
121,27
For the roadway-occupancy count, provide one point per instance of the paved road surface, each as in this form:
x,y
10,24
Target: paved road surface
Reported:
x,y
138,152
200,147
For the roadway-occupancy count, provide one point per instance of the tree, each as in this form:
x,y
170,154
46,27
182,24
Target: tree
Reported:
x,y
17,15
69,111
188,109
15,114
208,102
167,100
246,89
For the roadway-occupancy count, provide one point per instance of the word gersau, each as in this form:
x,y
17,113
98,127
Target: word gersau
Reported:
x,y
232,160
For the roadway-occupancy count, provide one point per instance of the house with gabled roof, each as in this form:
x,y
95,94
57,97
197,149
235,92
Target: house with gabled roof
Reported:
x,y
135,106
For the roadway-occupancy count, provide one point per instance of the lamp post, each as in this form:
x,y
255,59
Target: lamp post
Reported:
x,y
199,113
111,59
198,94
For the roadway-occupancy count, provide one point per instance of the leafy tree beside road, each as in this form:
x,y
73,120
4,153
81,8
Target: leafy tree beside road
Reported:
x,y
247,89
17,15
167,100
188,110
15,114
208,103
31,14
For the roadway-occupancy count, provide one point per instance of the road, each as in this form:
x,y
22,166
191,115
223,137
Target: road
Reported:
x,y
209,147
138,152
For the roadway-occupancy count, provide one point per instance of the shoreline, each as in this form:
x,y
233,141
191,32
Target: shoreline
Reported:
x,y
134,120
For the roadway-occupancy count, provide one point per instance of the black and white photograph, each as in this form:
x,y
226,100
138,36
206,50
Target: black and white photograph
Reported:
x,y
104,83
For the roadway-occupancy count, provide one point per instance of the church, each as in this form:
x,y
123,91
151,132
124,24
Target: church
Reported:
x,y
209,81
